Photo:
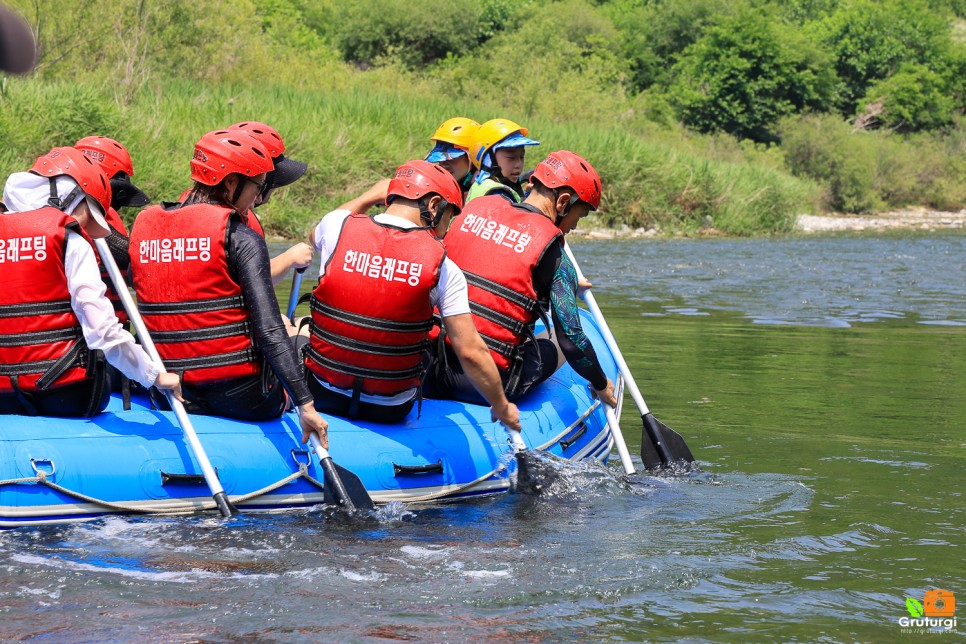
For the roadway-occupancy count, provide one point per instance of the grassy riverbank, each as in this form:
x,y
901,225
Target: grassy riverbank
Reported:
x,y
735,116
351,136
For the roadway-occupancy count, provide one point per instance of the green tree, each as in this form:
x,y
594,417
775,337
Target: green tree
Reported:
x,y
371,32
914,98
546,65
744,75
871,40
655,33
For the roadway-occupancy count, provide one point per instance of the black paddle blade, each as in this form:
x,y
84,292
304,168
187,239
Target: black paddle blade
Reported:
x,y
343,488
661,446
225,506
650,453
528,480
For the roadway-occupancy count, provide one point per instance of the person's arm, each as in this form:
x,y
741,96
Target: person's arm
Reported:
x,y
119,243
249,264
374,196
297,256
99,324
451,298
570,336
478,365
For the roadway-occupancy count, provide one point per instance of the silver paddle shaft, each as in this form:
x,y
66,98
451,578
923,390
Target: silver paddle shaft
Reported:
x,y
179,411
621,365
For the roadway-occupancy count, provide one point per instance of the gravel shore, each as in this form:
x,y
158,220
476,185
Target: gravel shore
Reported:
x,y
913,218
909,219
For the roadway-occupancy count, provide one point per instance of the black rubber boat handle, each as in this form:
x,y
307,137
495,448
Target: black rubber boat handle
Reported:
x,y
175,477
573,438
429,468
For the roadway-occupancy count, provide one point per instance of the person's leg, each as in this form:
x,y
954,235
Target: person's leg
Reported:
x,y
257,398
78,400
333,403
385,414
10,404
560,359
451,382
539,363
328,401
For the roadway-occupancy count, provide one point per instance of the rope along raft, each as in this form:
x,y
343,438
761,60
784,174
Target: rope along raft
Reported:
x,y
179,508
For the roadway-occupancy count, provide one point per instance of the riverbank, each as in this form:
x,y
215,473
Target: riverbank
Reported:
x,y
907,219
910,218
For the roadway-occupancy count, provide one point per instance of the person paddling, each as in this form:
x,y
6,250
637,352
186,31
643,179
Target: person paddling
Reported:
x,y
498,153
204,290
373,307
119,168
512,257
116,161
56,325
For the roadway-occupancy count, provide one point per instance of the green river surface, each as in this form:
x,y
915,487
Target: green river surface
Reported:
x,y
820,382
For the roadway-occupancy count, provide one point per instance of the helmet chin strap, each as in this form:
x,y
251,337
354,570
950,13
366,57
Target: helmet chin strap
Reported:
x,y
573,199
61,203
428,218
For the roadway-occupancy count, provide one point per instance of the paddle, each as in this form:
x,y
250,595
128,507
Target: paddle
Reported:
x,y
661,446
615,430
211,478
344,487
526,481
293,298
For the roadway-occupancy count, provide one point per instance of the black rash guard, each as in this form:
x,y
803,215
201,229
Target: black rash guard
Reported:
x,y
250,265
556,280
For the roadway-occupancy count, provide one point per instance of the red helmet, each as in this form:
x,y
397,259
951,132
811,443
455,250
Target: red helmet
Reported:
x,y
221,153
265,134
566,169
73,163
109,153
416,179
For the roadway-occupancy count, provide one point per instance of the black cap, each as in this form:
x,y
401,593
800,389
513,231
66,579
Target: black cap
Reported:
x,y
286,171
125,193
18,51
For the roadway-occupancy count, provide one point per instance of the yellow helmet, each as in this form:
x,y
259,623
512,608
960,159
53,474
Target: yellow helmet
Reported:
x,y
495,134
459,131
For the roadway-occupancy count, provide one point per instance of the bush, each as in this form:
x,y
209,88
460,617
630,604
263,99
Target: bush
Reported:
x,y
655,35
871,40
912,99
546,66
826,149
35,117
868,170
742,76
372,32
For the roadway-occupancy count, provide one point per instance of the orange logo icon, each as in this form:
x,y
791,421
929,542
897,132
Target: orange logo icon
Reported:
x,y
939,603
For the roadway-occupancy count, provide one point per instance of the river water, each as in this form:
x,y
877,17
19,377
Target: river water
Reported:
x,y
820,381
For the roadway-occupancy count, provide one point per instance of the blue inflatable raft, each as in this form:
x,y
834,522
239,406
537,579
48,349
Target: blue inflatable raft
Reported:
x,y
55,470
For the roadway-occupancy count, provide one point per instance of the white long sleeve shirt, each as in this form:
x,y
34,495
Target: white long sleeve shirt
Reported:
x,y
100,325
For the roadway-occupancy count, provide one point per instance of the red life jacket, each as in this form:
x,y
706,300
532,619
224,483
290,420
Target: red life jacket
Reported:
x,y
255,224
190,303
371,311
41,342
114,219
498,247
